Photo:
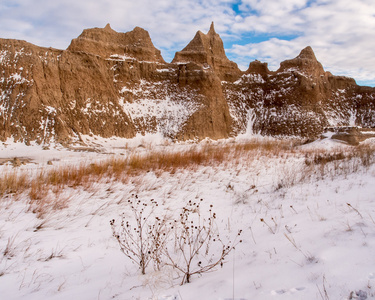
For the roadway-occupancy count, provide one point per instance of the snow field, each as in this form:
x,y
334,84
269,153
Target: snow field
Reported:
x,y
308,229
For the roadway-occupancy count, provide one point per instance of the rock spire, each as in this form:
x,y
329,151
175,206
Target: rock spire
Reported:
x,y
208,50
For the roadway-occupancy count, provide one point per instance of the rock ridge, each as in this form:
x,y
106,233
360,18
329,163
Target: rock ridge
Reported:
x,y
117,84
107,43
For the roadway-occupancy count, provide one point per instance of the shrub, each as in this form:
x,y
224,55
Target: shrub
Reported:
x,y
192,250
142,238
198,247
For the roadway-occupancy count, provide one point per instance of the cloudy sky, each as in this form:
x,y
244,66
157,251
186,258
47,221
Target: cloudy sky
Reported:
x,y
341,32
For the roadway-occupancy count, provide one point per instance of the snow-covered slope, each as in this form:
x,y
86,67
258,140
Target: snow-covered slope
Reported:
x,y
307,215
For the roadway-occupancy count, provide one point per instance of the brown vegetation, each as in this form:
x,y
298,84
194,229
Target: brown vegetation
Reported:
x,y
44,188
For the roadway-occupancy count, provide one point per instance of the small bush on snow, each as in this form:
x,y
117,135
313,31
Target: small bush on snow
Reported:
x,y
142,240
195,247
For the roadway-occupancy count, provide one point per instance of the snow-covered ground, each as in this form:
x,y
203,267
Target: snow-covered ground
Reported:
x,y
305,236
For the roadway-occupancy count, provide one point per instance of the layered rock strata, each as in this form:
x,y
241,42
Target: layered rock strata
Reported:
x,y
299,99
117,84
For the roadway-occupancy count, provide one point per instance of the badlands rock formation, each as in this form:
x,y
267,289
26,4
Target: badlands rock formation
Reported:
x,y
299,99
117,84
106,42
208,50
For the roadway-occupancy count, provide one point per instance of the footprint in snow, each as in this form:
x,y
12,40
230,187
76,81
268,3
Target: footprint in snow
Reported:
x,y
278,292
297,289
169,297
371,276
283,291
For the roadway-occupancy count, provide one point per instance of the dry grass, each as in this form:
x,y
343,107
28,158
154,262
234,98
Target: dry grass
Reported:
x,y
12,182
172,161
266,147
351,160
72,176
44,189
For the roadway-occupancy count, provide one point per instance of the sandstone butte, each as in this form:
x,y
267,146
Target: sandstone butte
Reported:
x,y
108,83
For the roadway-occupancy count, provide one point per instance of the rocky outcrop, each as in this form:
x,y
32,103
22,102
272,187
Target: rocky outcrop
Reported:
x,y
257,67
299,99
117,84
108,43
52,94
108,84
305,63
351,135
207,50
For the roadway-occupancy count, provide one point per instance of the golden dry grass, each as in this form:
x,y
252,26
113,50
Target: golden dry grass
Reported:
x,y
12,182
15,182
39,188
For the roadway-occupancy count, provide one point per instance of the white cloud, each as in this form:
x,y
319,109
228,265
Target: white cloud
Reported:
x,y
54,23
341,32
273,6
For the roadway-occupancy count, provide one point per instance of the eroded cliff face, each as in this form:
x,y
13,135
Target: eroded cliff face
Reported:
x,y
299,99
117,84
49,93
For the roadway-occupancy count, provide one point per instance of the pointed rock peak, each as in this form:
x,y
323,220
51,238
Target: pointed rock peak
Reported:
x,y
307,53
305,62
212,29
208,49
108,27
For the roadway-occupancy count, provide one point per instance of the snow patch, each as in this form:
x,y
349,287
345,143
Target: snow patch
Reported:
x,y
169,115
3,56
117,57
257,78
168,106
249,133
50,109
164,70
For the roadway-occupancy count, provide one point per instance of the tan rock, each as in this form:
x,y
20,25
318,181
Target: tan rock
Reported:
x,y
108,43
305,62
208,50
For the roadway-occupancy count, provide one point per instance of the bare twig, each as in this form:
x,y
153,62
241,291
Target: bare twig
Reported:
x,y
356,210
269,227
194,236
142,240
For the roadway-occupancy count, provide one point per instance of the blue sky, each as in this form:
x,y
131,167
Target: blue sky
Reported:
x,y
341,32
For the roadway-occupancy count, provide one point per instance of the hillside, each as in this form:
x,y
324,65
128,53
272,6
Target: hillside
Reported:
x,y
117,84
306,213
